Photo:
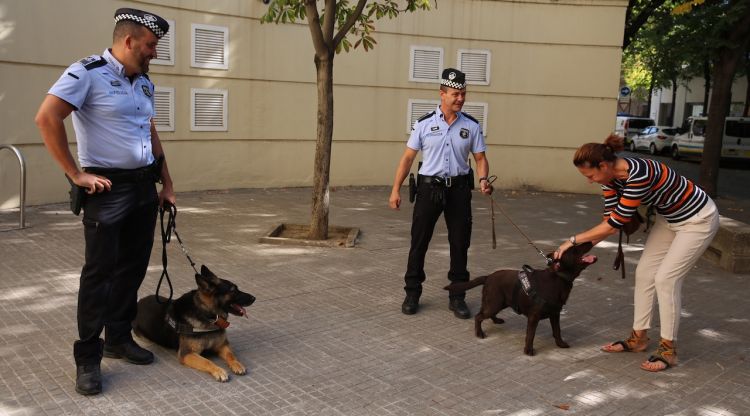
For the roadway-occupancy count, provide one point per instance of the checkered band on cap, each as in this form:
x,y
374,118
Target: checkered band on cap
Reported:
x,y
153,22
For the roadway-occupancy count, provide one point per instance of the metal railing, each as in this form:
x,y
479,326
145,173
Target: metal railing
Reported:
x,y
22,166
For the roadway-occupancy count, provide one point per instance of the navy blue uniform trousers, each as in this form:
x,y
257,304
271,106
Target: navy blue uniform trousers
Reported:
x,y
119,233
455,205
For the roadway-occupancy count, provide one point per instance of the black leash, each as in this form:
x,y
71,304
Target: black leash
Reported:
x,y
492,179
166,237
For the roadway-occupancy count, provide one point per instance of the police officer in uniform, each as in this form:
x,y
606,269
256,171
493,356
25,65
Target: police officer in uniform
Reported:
x,y
445,136
112,101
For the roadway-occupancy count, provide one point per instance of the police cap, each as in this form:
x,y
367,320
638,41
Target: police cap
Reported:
x,y
154,23
453,78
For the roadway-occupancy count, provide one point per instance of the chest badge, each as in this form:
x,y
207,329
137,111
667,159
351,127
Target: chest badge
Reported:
x,y
115,83
146,90
464,133
434,128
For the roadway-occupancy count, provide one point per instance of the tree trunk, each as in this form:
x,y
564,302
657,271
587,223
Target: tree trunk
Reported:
x,y
746,110
322,167
706,85
670,121
728,58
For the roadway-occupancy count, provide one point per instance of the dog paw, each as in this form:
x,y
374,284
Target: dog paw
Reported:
x,y
238,369
220,375
529,351
498,320
562,344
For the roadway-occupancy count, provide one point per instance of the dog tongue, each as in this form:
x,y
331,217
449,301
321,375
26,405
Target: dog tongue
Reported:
x,y
589,258
240,310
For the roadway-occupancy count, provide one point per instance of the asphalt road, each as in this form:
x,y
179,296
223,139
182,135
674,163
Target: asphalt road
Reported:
x,y
734,183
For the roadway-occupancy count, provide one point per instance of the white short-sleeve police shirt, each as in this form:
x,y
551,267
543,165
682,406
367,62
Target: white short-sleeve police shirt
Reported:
x,y
445,148
112,117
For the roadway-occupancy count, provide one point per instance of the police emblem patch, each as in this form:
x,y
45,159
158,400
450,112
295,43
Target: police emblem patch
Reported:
x,y
464,133
146,90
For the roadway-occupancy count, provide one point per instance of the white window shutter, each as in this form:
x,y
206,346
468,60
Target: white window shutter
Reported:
x,y
479,112
208,109
476,65
425,64
165,47
164,107
210,46
418,108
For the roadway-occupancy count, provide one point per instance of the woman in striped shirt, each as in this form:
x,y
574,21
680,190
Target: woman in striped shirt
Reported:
x,y
686,222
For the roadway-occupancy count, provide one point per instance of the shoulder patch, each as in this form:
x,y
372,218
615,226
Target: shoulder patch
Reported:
x,y
470,117
93,61
426,116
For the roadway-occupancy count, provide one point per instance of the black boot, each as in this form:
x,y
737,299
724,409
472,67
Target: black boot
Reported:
x,y
459,308
130,351
88,379
410,305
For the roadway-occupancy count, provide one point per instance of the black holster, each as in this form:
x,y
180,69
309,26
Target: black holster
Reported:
x,y
77,194
471,179
412,188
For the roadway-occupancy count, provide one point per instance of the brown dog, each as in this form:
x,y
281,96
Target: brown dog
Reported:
x,y
549,290
196,322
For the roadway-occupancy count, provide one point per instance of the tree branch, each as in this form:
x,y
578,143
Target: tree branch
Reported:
x,y
313,22
633,24
344,29
329,22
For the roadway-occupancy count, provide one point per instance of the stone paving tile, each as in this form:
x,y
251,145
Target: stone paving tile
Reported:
x,y
326,335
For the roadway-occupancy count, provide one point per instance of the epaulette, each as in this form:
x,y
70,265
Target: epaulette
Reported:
x,y
93,61
470,117
146,76
426,116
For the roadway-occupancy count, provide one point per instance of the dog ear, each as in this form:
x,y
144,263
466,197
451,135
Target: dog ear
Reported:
x,y
205,272
204,282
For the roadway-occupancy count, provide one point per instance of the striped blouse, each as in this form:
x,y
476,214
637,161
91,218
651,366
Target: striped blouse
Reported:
x,y
649,182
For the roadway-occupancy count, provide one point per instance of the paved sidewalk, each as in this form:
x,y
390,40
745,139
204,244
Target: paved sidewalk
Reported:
x,y
327,336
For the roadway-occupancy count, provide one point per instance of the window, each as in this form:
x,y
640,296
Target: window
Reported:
x,y
418,108
208,110
165,47
479,112
164,107
210,47
476,65
425,64
737,128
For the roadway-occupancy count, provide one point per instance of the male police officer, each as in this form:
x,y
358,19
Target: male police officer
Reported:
x,y
445,136
112,101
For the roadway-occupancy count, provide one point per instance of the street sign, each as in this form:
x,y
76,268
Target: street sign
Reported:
x,y
625,91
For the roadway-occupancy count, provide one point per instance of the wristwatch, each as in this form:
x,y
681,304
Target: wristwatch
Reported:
x,y
572,239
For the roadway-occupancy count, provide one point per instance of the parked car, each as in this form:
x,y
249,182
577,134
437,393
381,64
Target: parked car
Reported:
x,y
655,139
628,126
735,143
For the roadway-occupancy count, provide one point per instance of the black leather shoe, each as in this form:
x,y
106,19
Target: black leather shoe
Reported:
x,y
459,308
88,379
130,351
410,305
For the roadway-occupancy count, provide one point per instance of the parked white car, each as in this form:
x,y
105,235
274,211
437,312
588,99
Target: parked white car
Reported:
x,y
735,142
655,139
627,126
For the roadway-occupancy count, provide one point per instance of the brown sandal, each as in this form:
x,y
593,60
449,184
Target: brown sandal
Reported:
x,y
632,344
664,353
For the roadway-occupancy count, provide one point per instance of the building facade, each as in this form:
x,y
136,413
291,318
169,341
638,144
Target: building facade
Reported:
x,y
689,101
236,99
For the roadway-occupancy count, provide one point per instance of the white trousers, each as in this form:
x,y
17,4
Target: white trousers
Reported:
x,y
670,252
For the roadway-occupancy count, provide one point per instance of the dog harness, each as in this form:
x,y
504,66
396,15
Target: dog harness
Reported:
x,y
524,284
219,322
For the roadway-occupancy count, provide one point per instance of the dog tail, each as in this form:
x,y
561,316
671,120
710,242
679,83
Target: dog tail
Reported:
x,y
463,286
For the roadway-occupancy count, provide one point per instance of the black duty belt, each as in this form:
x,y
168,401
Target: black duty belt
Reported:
x,y
144,174
448,182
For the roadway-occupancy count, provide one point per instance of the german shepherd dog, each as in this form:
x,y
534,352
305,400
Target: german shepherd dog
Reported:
x,y
550,290
196,322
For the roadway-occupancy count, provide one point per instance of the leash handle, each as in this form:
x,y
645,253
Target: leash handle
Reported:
x,y
166,236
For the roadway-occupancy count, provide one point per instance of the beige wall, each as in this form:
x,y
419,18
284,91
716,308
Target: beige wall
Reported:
x,y
554,80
